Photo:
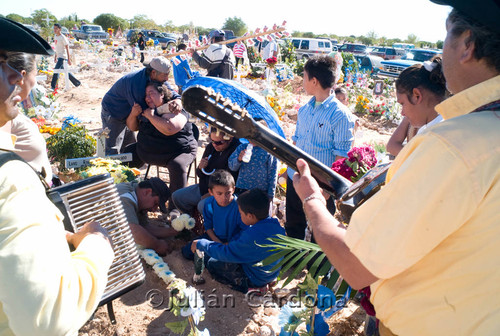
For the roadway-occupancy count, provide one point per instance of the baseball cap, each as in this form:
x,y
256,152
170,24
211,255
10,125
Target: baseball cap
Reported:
x,y
216,33
161,189
16,37
486,12
160,64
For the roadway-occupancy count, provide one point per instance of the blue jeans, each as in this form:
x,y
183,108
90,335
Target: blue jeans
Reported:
x,y
55,77
119,135
231,274
188,198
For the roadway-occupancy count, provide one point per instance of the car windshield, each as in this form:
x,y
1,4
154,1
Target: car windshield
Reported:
x,y
92,28
420,55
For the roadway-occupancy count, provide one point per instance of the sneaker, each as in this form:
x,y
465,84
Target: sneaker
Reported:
x,y
198,279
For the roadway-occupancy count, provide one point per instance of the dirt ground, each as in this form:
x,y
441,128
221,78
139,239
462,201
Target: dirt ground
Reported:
x,y
144,311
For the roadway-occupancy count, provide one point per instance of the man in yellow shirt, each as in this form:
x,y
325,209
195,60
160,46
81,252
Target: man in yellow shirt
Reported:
x,y
44,288
428,243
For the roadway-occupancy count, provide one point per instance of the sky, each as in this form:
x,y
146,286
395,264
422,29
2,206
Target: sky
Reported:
x,y
388,18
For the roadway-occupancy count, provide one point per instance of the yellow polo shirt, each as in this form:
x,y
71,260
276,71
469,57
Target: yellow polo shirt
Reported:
x,y
432,234
44,289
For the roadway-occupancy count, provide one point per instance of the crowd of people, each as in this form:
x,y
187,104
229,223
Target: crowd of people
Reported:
x,y
425,245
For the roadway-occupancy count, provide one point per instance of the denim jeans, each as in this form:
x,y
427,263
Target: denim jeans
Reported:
x,y
231,274
188,198
119,135
55,77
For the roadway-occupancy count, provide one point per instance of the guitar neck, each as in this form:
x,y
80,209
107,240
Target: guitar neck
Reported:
x,y
328,179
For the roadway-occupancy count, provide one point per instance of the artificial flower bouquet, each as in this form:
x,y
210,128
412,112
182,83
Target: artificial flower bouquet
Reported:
x,y
271,61
119,172
359,161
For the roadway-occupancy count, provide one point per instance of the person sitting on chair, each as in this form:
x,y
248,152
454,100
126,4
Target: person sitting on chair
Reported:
x,y
164,138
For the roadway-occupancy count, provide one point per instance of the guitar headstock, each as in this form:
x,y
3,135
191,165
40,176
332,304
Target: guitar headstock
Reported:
x,y
218,111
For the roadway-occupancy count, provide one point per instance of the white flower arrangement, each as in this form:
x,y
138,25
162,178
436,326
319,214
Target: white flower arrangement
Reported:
x,y
194,310
182,222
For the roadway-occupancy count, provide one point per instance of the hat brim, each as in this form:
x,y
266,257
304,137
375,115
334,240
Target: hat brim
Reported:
x,y
486,12
16,37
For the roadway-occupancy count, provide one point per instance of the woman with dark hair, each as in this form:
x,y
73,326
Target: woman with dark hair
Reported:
x,y
164,138
419,89
30,144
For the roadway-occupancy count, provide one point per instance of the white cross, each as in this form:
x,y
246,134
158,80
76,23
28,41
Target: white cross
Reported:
x,y
47,19
66,70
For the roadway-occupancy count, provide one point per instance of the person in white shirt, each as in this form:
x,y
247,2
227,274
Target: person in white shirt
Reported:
x,y
61,55
271,50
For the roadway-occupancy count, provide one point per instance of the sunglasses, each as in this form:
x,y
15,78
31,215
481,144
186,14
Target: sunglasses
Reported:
x,y
218,143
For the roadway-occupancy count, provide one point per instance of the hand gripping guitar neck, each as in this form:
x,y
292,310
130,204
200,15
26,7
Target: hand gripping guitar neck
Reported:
x,y
230,118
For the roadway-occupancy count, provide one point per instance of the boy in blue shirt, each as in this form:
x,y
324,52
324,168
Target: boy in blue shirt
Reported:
x,y
221,217
234,263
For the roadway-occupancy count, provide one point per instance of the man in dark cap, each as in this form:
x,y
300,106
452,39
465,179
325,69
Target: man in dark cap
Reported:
x,y
218,59
128,90
44,288
141,42
137,200
427,244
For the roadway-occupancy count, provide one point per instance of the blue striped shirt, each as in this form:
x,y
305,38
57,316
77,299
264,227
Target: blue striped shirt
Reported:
x,y
326,130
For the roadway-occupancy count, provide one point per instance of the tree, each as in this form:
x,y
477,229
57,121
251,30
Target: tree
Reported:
x,y
236,25
40,15
142,21
412,38
439,44
111,21
308,35
16,17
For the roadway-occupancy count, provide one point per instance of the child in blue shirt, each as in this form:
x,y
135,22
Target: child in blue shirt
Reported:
x,y
234,263
260,172
221,217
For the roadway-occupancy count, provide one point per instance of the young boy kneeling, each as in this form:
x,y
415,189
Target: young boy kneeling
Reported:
x,y
234,263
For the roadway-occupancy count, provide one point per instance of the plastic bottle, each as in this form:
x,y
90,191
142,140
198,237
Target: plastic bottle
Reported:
x,y
248,153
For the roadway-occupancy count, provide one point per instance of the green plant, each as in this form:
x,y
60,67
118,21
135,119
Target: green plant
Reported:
x,y
294,254
71,142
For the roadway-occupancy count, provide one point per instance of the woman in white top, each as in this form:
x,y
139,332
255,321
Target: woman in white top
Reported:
x,y
419,89
30,144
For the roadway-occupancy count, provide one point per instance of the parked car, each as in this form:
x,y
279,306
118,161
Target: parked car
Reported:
x,y
33,28
163,41
130,32
308,47
90,32
393,68
354,48
421,55
388,53
66,32
370,64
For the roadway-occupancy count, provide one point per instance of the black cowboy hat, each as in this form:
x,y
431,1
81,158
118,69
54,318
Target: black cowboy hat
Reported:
x,y
486,12
16,37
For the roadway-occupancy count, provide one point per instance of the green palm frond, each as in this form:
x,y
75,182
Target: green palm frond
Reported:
x,y
295,254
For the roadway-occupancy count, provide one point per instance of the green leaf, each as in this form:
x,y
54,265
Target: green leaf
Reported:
x,y
299,268
274,257
177,327
314,268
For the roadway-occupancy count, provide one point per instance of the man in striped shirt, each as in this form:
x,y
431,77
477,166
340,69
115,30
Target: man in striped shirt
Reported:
x,y
324,130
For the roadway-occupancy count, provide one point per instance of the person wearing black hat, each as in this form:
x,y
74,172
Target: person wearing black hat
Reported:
x,y
137,200
218,59
127,91
44,288
142,45
431,256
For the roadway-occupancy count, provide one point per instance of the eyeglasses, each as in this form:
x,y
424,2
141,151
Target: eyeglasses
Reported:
x,y
218,143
